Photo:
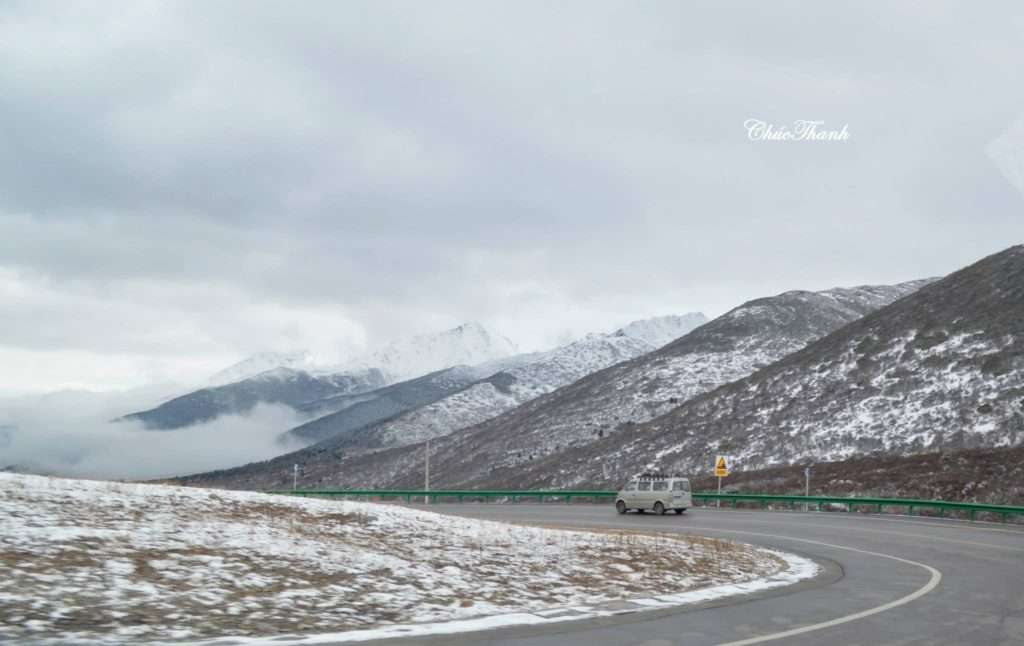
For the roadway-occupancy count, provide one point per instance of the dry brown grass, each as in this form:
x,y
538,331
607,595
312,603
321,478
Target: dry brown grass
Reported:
x,y
310,590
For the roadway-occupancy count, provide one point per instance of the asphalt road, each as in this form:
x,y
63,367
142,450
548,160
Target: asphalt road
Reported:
x,y
887,580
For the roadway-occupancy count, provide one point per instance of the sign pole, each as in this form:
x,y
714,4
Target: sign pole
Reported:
x,y
426,477
295,477
721,470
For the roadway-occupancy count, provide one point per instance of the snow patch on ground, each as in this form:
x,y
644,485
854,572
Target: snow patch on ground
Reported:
x,y
797,569
114,562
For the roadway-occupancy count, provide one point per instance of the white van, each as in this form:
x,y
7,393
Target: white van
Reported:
x,y
655,491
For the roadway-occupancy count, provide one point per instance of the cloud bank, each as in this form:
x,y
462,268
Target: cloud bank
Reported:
x,y
70,434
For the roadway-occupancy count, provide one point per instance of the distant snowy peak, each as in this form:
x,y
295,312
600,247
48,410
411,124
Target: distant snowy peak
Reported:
x,y
260,363
546,371
468,344
660,330
506,383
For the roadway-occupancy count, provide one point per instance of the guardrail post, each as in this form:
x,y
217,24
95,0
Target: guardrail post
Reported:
x,y
1004,516
971,514
734,503
910,510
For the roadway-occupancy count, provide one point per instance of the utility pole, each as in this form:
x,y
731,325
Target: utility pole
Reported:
x,y
426,477
295,477
807,487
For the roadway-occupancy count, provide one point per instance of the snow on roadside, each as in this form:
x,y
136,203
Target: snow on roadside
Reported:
x,y
114,562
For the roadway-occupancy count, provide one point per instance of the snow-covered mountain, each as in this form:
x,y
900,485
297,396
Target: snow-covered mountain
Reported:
x,y
466,345
522,379
660,330
619,397
260,363
940,369
293,388
354,412
295,380
608,401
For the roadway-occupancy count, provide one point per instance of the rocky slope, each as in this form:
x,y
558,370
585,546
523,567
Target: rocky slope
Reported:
x,y
940,369
728,348
993,476
603,403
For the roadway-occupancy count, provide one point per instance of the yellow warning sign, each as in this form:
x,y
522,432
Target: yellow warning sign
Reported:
x,y
721,466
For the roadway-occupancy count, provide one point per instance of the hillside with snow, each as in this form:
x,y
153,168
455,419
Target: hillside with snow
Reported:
x,y
601,403
89,561
296,381
466,345
618,398
348,413
293,388
260,363
659,330
527,378
941,369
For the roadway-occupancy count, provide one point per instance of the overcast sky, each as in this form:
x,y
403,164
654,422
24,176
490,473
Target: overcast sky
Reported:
x,y
183,184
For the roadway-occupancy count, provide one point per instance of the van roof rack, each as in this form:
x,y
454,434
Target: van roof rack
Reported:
x,y
658,476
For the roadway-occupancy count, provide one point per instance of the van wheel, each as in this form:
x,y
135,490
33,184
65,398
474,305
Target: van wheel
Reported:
x,y
680,511
659,509
620,507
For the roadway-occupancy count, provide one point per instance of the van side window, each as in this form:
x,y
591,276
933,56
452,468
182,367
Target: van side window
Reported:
x,y
681,485
661,486
631,486
645,486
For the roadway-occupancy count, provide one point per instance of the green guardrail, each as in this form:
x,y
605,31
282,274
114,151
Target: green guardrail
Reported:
x,y
850,504
733,500
461,495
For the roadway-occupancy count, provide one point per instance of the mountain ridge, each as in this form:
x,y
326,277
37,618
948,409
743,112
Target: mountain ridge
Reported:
x,y
940,369
514,384
524,434
294,380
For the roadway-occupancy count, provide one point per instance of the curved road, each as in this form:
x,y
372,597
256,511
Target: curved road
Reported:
x,y
887,580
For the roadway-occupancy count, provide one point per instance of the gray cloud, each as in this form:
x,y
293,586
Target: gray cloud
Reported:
x,y
183,183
